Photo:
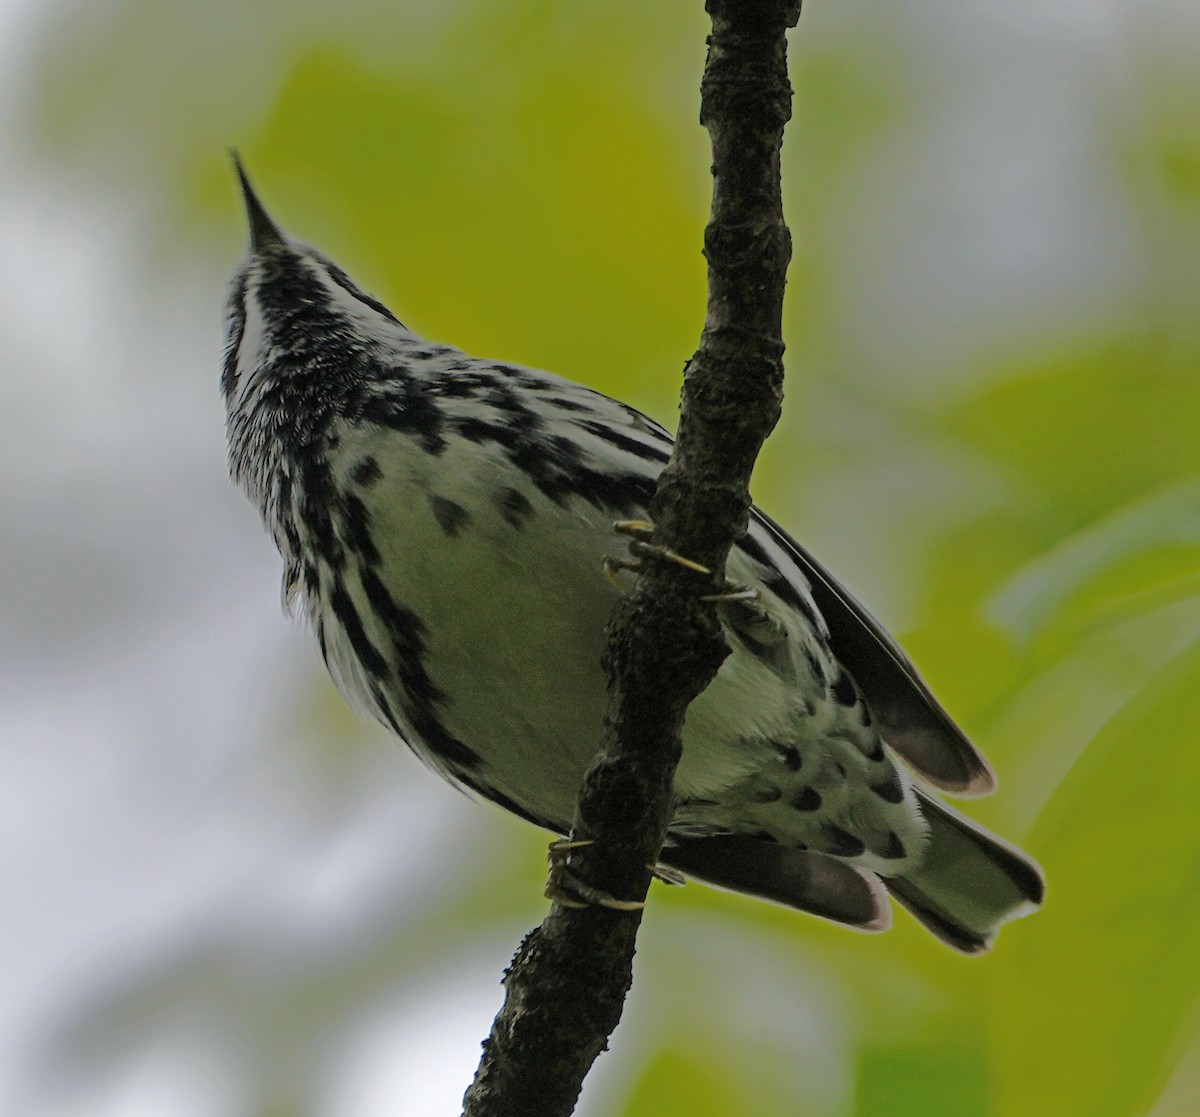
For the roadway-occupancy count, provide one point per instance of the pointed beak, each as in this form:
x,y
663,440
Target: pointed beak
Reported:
x,y
263,231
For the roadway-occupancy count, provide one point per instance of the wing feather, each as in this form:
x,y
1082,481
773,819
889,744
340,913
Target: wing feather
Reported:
x,y
911,720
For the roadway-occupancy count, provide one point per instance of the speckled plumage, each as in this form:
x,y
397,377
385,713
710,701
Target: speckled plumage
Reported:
x,y
442,521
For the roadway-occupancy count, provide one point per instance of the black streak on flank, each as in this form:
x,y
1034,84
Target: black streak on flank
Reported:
x,y
461,386
844,690
514,507
647,451
451,517
367,472
408,408
893,848
385,708
790,755
474,429
312,581
564,404
316,503
358,529
502,800
407,631
808,800
777,582
502,397
557,466
889,790
368,655
419,695
625,493
841,843
237,328
565,451
291,579
283,500
814,665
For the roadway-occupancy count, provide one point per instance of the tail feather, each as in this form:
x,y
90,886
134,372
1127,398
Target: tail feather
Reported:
x,y
970,882
810,882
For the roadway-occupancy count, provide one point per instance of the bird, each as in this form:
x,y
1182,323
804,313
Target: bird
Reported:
x,y
443,521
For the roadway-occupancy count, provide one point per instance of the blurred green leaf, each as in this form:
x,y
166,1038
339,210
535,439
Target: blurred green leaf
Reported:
x,y
682,1082
1088,432
1142,556
916,1081
1089,1008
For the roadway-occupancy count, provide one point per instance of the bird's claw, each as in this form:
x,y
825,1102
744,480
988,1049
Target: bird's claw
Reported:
x,y
565,888
641,533
732,592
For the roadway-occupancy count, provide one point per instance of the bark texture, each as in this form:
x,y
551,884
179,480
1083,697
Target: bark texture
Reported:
x,y
566,986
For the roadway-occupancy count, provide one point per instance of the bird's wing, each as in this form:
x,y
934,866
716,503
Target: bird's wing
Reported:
x,y
910,718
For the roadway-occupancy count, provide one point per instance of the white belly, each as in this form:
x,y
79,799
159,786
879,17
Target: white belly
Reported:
x,y
512,610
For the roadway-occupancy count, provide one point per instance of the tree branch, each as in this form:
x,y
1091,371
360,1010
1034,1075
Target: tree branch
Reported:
x,y
566,986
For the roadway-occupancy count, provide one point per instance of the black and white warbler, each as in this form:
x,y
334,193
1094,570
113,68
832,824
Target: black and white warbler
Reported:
x,y
443,520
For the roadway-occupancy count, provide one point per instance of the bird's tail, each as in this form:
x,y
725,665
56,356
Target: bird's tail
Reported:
x,y
970,882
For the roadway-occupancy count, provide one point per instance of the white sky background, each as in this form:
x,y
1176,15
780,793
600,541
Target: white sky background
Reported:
x,y
150,807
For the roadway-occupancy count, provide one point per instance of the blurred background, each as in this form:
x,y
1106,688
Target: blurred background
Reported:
x,y
225,898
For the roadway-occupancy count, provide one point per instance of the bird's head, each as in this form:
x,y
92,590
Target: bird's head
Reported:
x,y
290,306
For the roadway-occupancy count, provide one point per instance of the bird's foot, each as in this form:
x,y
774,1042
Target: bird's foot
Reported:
x,y
565,888
642,547
733,592
742,609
